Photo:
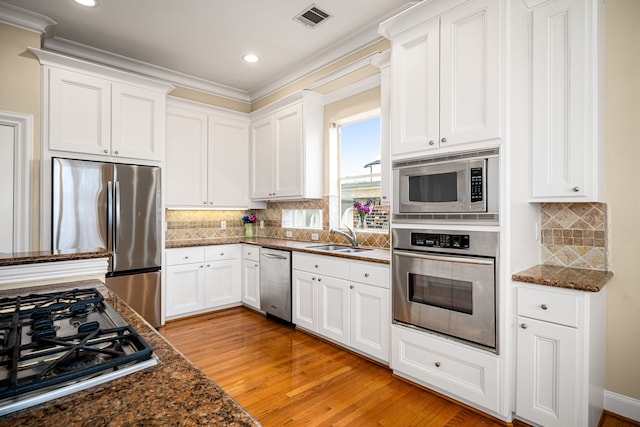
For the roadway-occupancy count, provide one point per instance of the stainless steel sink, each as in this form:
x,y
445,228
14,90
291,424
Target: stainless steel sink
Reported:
x,y
337,248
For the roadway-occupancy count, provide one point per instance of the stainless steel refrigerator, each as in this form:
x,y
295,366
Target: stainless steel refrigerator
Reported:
x,y
117,207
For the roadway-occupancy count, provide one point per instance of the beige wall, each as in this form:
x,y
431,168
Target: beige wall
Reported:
x,y
623,195
211,99
20,91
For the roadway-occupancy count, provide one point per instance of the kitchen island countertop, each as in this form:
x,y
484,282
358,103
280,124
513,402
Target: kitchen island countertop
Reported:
x,y
172,393
19,258
379,255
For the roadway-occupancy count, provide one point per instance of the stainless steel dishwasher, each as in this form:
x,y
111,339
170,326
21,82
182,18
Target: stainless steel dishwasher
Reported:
x,y
275,283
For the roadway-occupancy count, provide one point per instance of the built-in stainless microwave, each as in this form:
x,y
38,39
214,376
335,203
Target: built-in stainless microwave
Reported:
x,y
466,183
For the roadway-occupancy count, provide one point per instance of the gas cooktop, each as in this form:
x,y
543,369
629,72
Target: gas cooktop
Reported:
x,y
54,344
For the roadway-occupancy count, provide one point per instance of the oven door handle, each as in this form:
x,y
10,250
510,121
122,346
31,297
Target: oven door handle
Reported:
x,y
444,258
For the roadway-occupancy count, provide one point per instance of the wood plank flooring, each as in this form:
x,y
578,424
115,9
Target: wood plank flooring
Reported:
x,y
287,377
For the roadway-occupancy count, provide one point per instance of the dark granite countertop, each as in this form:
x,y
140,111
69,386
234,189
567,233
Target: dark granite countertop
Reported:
x,y
172,393
379,255
579,279
18,258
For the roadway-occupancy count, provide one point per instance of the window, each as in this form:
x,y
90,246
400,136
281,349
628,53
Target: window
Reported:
x,y
359,173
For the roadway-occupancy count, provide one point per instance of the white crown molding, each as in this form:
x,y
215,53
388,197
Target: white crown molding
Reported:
x,y
25,19
54,59
114,60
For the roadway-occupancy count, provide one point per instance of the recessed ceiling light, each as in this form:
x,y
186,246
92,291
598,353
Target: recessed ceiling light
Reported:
x,y
90,3
250,57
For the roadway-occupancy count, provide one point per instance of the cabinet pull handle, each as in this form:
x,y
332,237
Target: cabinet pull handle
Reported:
x,y
432,142
544,306
524,326
576,188
366,274
444,140
437,364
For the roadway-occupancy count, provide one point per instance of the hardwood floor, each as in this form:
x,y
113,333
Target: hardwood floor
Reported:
x,y
286,377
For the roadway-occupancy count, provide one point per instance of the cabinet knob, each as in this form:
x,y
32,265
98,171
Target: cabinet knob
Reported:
x,y
544,306
210,203
208,265
319,279
443,140
313,278
524,326
204,203
221,253
366,274
115,152
316,266
351,286
106,151
186,257
202,266
432,142
437,364
576,189
257,265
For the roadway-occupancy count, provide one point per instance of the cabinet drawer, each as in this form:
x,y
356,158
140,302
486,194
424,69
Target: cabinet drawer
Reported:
x,y
251,252
369,273
185,255
318,264
549,305
221,252
457,369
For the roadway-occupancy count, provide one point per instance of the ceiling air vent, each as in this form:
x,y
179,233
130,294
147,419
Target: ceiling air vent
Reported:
x,y
312,16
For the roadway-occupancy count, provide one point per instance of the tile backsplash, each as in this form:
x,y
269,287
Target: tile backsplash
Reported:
x,y
574,235
183,225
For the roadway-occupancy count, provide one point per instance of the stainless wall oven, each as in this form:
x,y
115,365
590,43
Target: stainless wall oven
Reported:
x,y
462,186
446,282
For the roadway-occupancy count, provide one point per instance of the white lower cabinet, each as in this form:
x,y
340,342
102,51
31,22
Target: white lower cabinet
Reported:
x,y
345,301
251,276
457,370
559,356
201,279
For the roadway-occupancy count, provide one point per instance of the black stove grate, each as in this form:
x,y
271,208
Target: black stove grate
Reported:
x,y
55,338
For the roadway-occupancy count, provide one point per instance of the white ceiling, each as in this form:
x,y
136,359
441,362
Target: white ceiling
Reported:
x,y
206,39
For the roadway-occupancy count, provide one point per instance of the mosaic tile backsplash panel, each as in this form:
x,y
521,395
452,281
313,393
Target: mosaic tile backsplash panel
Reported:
x,y
184,225
574,235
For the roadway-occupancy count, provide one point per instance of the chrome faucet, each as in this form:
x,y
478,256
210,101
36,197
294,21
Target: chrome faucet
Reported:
x,y
351,234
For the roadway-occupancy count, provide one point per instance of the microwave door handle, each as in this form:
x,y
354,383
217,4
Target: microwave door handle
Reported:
x,y
444,258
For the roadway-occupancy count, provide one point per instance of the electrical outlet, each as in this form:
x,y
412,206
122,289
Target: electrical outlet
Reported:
x,y
223,225
288,233
314,236
261,224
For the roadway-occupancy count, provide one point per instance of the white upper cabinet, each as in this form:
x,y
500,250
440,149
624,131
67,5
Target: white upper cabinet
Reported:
x,y
445,75
567,154
287,149
96,116
207,157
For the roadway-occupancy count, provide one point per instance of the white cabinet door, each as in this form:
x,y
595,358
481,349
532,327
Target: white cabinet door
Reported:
x,y
305,300
470,73
222,283
262,155
287,169
445,76
185,289
564,136
186,167
251,283
333,305
79,113
228,162
137,122
546,373
415,89
370,320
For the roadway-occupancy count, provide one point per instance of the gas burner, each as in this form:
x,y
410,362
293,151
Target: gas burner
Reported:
x,y
57,343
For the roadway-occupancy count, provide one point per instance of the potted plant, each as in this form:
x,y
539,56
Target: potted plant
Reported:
x,y
248,221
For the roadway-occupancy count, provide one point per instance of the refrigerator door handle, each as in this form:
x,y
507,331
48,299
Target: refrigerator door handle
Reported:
x,y
116,235
110,215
